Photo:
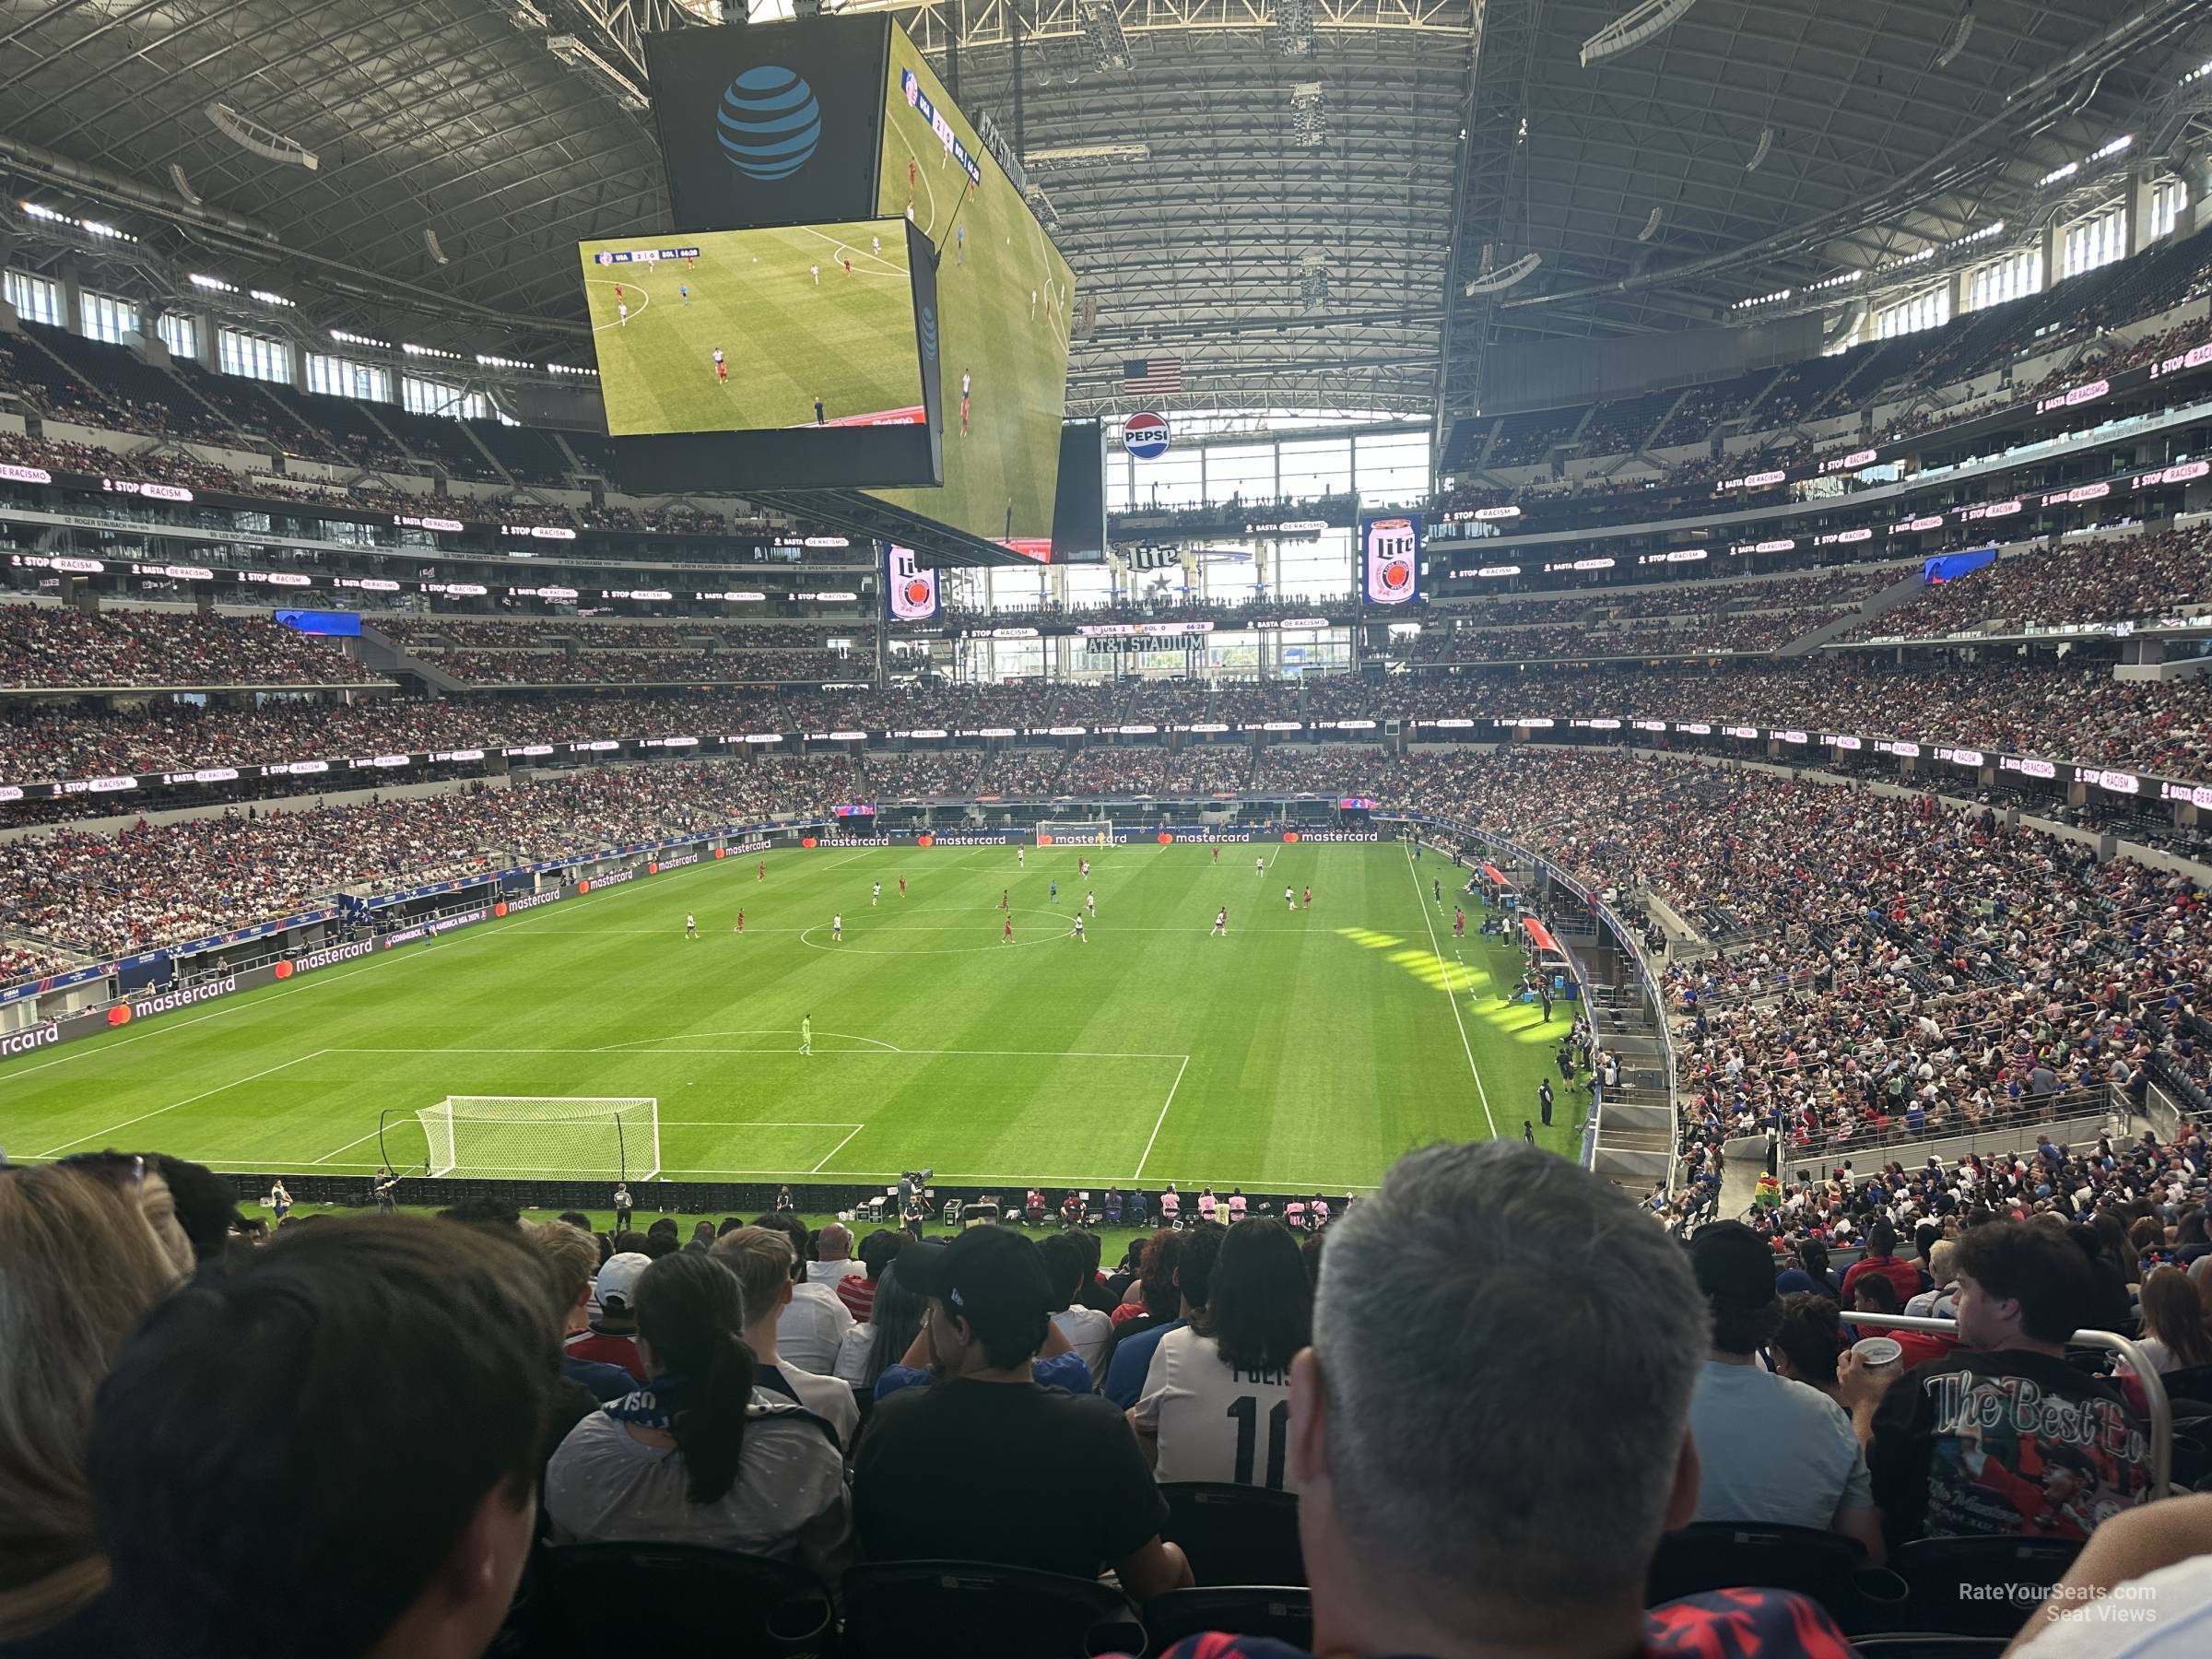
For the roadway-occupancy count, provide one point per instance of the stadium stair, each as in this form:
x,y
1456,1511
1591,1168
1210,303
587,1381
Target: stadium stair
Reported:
x,y
380,651
1898,592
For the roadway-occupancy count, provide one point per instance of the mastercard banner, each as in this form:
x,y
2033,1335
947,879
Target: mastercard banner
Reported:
x,y
1390,552
909,592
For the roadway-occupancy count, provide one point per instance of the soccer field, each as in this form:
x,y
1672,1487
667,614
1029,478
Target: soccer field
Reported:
x,y
793,322
1304,1051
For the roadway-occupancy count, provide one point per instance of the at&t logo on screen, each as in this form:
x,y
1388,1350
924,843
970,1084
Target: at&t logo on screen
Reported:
x,y
769,123
1145,436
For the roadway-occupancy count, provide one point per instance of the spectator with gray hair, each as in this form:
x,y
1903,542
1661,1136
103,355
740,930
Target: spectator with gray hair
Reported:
x,y
1504,1348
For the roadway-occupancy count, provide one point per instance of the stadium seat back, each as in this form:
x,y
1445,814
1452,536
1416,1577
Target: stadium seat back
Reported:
x,y
1235,1534
1821,1566
1278,1612
591,1599
1981,1586
980,1610
1924,1644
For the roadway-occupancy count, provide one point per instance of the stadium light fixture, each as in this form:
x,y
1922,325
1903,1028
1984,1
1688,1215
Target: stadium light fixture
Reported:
x,y
1497,281
266,298
1766,142
1961,31
429,351
429,241
343,338
576,54
1651,226
214,285
94,228
1631,29
256,139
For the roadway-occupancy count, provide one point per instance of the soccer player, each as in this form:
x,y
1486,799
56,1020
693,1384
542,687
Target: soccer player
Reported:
x,y
960,244
1217,853
1220,923
617,291
910,173
684,292
1289,899
1022,856
837,928
1055,893
876,243
1079,938
1006,937
621,314
847,265
1459,922
806,1033
1259,865
817,269
875,894
740,927
902,887
1002,898
1309,899
1091,903
761,872
691,925
1084,863
1033,305
721,367
817,411
963,414
1437,888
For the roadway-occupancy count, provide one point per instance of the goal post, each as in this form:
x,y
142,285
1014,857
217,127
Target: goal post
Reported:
x,y
538,1138
1077,832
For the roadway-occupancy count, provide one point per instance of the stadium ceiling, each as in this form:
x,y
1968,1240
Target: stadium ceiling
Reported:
x,y
1276,192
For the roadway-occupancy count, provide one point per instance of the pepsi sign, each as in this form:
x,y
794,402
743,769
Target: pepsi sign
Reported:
x,y
1145,436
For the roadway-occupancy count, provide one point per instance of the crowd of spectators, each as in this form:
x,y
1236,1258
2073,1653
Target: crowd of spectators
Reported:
x,y
59,645
595,633
637,666
546,1389
106,894
2132,578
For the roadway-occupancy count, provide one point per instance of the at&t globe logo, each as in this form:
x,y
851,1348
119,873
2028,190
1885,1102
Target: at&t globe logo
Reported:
x,y
1145,436
929,332
769,123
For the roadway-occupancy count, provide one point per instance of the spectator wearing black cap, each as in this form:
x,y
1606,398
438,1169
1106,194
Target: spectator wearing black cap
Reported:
x,y
1769,1450
989,1430
2002,1436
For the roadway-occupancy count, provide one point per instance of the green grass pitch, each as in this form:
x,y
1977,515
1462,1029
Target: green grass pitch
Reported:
x,y
1304,1051
793,324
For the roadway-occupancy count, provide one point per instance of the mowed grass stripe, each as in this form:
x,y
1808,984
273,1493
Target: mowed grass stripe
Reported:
x,y
1319,1043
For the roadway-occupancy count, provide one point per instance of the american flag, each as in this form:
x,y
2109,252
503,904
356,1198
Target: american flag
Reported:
x,y
1151,374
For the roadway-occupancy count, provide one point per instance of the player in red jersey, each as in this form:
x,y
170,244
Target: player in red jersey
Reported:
x,y
1308,904
1217,854
740,922
1002,898
909,174
848,268
722,369
1007,938
617,291
902,887
762,873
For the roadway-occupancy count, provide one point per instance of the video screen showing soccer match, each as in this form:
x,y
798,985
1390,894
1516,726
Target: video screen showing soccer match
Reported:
x,y
1004,300
733,331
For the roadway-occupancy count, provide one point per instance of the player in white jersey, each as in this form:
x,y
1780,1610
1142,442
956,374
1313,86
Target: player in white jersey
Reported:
x,y
1220,923
691,925
1259,865
877,243
1091,903
1021,857
818,274
837,927
875,894
1085,864
1079,938
622,312
1289,899
721,367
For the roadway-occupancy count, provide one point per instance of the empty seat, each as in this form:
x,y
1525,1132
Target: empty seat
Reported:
x,y
593,1599
1981,1586
980,1610
1235,1534
1821,1566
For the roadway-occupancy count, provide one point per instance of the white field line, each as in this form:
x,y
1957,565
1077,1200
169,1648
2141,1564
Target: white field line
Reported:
x,y
839,1147
1163,1116
188,1100
1451,996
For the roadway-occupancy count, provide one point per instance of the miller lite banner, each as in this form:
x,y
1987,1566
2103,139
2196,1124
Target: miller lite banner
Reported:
x,y
1389,553
909,592
1145,436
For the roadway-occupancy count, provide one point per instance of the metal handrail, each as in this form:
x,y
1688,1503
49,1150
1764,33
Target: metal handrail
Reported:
x,y
2154,1386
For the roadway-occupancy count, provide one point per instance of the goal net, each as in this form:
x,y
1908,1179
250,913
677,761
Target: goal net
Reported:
x,y
1069,832
571,1137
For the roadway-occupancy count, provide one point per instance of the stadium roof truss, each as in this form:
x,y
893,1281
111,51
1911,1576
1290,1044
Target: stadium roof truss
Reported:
x,y
1275,192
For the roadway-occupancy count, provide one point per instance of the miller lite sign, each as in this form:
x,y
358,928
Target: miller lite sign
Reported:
x,y
1145,436
1390,554
910,592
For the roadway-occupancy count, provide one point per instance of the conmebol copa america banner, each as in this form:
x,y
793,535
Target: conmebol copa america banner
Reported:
x,y
1390,556
910,592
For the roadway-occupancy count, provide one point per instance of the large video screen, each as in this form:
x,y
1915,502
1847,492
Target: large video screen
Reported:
x,y
739,331
1005,297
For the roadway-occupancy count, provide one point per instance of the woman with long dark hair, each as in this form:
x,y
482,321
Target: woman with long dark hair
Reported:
x,y
1216,1400
696,1456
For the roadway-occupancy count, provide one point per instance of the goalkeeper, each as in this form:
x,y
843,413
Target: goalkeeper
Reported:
x,y
806,1033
